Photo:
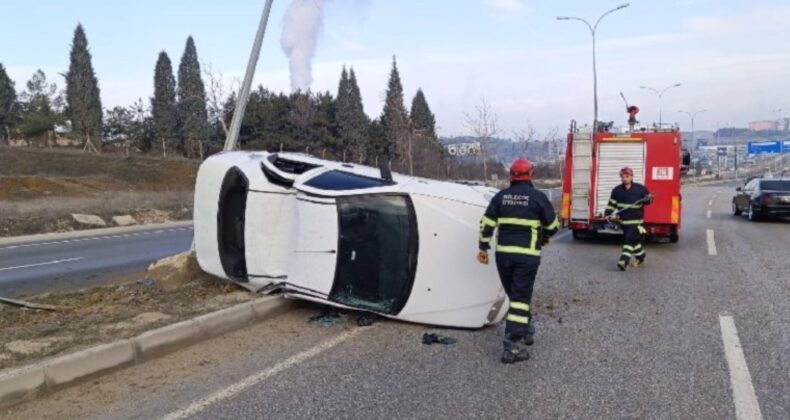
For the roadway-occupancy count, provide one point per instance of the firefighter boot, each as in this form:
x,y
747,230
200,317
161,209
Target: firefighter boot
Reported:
x,y
621,264
529,338
637,262
514,351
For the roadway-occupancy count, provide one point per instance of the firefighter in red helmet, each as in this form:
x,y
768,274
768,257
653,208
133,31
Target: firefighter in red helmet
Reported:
x,y
523,219
628,200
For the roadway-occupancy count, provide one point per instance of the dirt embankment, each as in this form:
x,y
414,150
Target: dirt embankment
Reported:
x,y
174,290
40,189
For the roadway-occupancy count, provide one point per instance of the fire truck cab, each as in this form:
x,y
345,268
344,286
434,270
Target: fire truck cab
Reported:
x,y
592,171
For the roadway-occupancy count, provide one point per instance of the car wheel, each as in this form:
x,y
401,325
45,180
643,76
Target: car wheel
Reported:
x,y
735,210
753,215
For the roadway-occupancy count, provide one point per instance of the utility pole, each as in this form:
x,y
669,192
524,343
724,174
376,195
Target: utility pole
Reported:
x,y
660,99
244,95
693,115
593,29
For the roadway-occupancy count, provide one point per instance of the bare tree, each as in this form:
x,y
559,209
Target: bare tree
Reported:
x,y
524,136
484,125
217,92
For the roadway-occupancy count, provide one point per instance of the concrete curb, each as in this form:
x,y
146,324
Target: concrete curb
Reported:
x,y
28,381
42,237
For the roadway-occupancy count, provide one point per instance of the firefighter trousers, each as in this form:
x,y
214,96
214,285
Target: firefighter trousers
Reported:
x,y
517,273
632,243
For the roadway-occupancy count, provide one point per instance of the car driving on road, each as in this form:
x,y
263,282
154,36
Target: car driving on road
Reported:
x,y
763,197
347,235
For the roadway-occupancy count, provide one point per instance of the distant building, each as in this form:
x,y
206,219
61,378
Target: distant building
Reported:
x,y
763,126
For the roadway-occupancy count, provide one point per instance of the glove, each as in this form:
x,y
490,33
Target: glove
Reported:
x,y
482,257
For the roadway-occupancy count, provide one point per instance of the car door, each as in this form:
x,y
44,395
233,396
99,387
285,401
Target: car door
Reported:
x,y
742,197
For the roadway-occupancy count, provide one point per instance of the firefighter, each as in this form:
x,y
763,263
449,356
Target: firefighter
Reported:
x,y
524,219
629,199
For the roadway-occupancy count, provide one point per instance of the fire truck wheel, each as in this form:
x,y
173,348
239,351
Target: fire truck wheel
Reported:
x,y
674,237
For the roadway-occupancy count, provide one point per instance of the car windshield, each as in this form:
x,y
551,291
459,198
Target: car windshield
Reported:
x,y
775,185
377,252
340,181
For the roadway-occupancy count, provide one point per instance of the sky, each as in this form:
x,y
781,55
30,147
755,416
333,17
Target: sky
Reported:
x,y
730,56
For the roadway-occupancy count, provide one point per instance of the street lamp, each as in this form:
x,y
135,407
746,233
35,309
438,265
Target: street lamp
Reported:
x,y
692,115
593,28
660,97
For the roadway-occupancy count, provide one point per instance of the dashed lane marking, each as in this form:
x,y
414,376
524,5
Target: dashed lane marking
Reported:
x,y
19,267
261,376
93,238
711,242
746,405
708,214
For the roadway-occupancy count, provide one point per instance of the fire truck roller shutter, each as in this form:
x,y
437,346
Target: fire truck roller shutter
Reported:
x,y
612,156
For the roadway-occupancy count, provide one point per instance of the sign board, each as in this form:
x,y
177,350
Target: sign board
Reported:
x,y
764,147
463,149
721,151
663,173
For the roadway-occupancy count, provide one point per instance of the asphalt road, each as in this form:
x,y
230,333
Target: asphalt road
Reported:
x,y
703,324
51,265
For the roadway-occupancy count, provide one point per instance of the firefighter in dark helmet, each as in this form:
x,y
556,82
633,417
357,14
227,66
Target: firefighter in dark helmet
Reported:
x,y
629,199
524,220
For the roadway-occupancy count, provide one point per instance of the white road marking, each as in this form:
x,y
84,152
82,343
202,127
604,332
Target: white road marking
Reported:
x,y
251,380
19,267
708,214
746,405
711,242
710,203
93,238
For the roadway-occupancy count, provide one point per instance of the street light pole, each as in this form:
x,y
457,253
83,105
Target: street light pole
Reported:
x,y
244,94
593,29
692,116
660,99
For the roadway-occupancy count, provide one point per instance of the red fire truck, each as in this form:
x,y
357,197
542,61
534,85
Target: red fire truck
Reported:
x,y
592,171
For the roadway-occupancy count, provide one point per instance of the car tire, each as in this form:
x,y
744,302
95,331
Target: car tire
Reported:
x,y
753,215
735,210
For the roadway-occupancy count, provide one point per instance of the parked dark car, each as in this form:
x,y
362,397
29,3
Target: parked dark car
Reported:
x,y
763,197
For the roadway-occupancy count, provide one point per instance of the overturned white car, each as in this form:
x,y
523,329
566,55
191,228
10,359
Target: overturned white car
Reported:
x,y
347,235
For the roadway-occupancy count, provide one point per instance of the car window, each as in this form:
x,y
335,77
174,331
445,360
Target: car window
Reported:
x,y
291,166
377,252
775,185
750,185
340,181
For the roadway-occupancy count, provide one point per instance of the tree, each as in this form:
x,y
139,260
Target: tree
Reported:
x,y
41,107
426,150
352,123
394,118
484,126
82,93
7,103
524,136
216,97
192,114
163,105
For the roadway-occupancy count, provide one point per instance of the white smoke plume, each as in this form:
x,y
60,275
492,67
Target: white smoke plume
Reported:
x,y
303,21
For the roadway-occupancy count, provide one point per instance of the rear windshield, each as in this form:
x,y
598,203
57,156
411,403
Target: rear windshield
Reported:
x,y
340,181
775,185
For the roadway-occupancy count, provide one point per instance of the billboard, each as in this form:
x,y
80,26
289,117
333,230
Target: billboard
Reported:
x,y
765,147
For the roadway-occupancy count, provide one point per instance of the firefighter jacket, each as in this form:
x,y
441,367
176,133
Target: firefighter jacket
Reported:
x,y
522,216
625,200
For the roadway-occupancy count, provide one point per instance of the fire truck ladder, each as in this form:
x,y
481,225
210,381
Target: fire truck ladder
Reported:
x,y
582,170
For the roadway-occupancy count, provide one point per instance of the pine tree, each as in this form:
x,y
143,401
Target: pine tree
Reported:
x,y
82,93
40,111
343,115
192,114
428,151
7,103
163,105
394,118
359,120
